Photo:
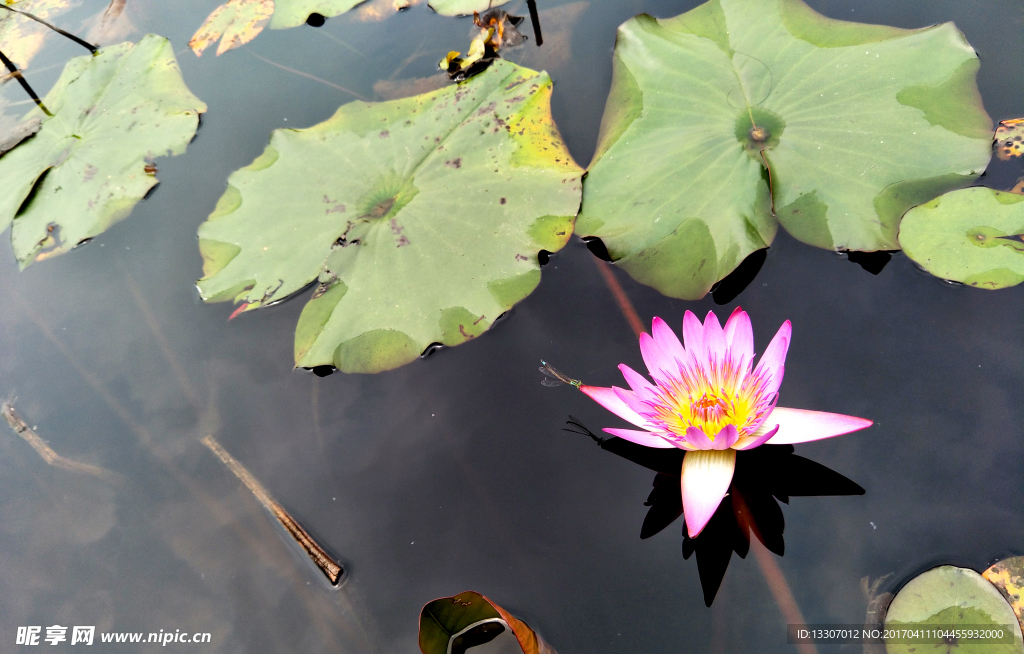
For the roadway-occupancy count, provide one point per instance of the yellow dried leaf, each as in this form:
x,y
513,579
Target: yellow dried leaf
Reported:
x,y
235,23
1009,137
1008,576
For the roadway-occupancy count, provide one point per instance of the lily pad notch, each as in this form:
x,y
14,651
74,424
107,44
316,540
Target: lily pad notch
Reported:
x,y
741,115
418,220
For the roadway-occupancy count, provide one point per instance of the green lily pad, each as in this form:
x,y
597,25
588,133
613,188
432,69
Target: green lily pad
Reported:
x,y
463,7
88,164
856,123
947,598
451,624
974,236
421,219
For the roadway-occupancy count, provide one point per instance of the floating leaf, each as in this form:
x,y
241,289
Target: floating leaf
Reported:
x,y
463,7
86,167
1008,577
974,236
948,597
292,13
235,23
856,123
20,36
1009,136
452,624
421,219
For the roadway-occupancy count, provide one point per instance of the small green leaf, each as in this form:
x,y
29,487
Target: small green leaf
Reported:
x,y
420,219
88,166
948,597
974,236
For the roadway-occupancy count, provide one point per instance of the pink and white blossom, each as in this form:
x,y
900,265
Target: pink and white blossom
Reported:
x,y
709,399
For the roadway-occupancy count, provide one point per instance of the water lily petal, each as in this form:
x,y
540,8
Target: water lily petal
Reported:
x,y
667,340
659,365
714,337
704,482
739,335
643,388
645,438
693,334
607,398
725,438
773,360
759,437
801,426
696,437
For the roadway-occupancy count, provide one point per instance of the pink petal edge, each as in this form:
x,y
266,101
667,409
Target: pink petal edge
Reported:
x,y
802,426
607,398
645,438
774,358
739,335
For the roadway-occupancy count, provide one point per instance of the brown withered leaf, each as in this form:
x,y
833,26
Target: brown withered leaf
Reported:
x,y
235,23
455,623
1009,137
1008,576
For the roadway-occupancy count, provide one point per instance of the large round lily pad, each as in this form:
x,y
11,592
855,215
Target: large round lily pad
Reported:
x,y
949,598
89,163
856,123
974,236
421,219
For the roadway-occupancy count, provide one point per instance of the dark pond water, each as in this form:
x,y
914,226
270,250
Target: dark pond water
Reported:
x,y
453,473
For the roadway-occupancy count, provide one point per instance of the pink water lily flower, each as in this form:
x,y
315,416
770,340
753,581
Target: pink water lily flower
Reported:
x,y
708,399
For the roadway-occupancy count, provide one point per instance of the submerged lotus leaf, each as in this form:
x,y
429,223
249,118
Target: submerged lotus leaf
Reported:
x,y
463,7
856,123
421,219
948,597
20,36
235,23
292,13
974,236
88,164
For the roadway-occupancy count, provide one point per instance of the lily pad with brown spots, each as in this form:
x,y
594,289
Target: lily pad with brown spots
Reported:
x,y
419,220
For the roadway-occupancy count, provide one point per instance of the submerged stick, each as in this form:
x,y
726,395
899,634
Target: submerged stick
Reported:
x,y
85,44
29,436
322,560
16,74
